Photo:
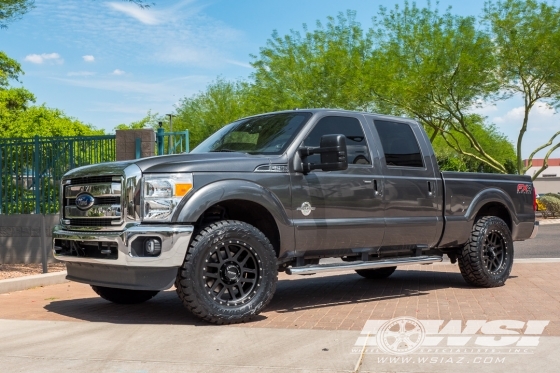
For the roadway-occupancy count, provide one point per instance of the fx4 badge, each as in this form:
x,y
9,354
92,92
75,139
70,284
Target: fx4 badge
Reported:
x,y
306,208
524,189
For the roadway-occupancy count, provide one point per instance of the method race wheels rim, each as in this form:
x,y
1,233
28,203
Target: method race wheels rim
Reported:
x,y
232,273
494,252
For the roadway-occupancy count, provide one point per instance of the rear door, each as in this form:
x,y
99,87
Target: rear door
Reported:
x,y
412,193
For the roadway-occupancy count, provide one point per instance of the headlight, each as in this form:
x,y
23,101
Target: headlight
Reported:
x,y
161,194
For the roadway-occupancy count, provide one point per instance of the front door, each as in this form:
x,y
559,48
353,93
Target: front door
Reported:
x,y
338,210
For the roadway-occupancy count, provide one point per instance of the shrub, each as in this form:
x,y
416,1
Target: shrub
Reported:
x,y
552,205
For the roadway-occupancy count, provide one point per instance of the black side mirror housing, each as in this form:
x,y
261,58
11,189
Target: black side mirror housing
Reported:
x,y
333,151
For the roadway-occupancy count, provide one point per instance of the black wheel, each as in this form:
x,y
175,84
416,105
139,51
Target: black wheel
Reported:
x,y
378,273
229,274
486,260
124,296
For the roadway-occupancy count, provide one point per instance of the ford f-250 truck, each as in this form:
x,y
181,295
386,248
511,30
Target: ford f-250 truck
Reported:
x,y
278,192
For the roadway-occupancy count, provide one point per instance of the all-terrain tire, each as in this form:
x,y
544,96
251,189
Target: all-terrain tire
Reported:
x,y
229,274
376,274
124,296
486,260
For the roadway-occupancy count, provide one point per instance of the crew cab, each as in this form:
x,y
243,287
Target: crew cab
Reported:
x,y
278,192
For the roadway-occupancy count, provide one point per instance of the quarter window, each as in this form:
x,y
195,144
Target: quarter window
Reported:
x,y
399,144
358,152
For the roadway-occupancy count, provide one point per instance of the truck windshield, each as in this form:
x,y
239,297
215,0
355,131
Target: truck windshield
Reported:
x,y
264,134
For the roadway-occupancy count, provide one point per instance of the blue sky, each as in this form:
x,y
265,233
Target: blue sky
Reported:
x,y
107,63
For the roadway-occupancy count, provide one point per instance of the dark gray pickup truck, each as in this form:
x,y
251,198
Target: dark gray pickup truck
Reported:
x,y
278,192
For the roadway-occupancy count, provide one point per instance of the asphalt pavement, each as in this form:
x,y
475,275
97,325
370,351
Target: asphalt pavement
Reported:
x,y
545,245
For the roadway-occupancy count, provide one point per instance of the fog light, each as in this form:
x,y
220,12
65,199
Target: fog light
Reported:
x,y
152,247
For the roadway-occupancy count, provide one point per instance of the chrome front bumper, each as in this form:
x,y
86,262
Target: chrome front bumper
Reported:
x,y
174,244
535,230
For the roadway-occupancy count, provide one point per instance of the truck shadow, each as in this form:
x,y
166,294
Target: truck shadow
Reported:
x,y
292,294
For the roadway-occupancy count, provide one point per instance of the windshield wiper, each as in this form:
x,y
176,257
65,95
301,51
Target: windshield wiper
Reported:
x,y
225,150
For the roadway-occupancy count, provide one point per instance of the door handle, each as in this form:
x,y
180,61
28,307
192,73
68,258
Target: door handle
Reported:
x,y
377,188
431,192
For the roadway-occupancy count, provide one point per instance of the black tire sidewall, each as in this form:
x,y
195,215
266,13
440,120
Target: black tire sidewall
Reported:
x,y
471,258
499,226
234,231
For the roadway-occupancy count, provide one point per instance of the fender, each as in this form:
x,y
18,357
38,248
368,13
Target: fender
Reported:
x,y
210,194
458,228
491,195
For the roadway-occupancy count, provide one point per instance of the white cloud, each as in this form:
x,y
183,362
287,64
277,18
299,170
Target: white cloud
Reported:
x,y
239,63
541,117
543,123
80,73
40,58
146,16
118,72
88,58
170,87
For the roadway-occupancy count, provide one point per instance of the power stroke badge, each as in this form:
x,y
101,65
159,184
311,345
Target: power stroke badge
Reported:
x,y
306,208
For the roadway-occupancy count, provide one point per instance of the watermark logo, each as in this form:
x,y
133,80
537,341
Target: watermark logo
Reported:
x,y
401,336
406,335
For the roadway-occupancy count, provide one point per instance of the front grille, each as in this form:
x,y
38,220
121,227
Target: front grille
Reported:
x,y
100,201
105,206
91,222
92,179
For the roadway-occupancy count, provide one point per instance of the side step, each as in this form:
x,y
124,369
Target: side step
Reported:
x,y
345,266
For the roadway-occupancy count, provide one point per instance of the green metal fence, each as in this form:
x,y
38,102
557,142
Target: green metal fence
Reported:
x,y
31,169
172,142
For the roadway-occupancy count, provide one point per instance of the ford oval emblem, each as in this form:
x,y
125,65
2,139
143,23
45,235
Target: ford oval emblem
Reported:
x,y
84,201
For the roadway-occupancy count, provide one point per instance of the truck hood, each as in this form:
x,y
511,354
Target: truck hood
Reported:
x,y
202,162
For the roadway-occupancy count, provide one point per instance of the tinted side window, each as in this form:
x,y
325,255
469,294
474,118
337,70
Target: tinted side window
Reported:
x,y
358,152
399,144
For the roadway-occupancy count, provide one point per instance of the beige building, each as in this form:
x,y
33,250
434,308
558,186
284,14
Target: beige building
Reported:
x,y
549,180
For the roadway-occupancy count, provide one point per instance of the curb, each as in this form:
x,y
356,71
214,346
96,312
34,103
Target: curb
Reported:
x,y
536,260
549,221
23,283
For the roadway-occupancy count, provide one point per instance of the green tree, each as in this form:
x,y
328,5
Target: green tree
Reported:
x,y
527,35
11,10
436,68
205,112
321,68
18,118
43,121
149,121
9,69
489,137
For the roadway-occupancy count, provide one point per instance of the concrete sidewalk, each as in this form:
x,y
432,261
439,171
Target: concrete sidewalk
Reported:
x,y
45,347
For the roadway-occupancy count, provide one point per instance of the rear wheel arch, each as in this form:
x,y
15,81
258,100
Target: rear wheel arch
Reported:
x,y
496,209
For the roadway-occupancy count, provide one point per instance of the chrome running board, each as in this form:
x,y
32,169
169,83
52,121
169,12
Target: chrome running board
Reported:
x,y
345,266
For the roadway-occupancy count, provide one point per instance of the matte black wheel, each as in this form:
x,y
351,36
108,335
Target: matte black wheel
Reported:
x,y
124,296
487,259
229,274
378,273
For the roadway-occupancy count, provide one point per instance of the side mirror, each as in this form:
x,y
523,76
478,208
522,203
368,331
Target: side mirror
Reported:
x,y
333,151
